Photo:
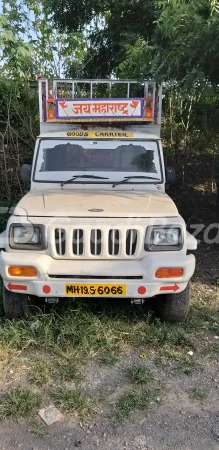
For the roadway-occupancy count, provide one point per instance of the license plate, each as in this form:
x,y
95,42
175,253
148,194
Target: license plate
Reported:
x,y
95,290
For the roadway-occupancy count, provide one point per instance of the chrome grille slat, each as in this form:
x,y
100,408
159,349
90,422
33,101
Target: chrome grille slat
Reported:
x,y
95,243
60,241
78,242
113,242
131,243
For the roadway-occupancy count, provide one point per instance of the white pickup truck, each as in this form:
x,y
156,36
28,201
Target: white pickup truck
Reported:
x,y
97,221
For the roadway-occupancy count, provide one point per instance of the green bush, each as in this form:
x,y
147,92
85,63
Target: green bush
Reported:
x,y
19,126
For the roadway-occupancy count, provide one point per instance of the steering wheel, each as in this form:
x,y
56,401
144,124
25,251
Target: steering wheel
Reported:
x,y
71,167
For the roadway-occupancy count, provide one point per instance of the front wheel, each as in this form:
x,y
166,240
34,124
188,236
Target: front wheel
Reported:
x,y
16,306
175,307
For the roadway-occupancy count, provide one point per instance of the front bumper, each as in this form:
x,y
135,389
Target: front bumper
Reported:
x,y
55,274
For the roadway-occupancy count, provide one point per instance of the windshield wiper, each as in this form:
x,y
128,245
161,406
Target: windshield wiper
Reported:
x,y
126,179
75,177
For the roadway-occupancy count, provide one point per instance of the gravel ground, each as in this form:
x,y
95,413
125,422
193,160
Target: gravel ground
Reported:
x,y
178,423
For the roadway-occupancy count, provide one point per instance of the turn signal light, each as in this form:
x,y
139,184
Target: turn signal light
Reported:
x,y
22,271
169,272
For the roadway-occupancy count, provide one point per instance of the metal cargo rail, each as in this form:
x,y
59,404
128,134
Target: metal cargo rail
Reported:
x,y
99,101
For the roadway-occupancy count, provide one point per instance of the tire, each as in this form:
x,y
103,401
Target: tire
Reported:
x,y
16,306
175,307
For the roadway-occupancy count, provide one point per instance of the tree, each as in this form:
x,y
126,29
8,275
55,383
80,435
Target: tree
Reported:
x,y
186,41
15,53
177,39
109,26
30,43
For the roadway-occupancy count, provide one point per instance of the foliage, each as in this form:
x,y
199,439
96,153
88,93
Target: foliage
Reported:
x,y
172,40
109,26
30,44
186,41
53,50
16,54
18,129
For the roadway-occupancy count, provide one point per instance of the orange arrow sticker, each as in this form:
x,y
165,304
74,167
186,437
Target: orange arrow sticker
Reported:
x,y
16,287
170,288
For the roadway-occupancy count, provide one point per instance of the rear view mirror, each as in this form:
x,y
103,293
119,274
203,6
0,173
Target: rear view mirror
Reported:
x,y
26,172
170,175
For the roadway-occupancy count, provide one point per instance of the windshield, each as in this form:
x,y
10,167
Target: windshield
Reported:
x,y
57,160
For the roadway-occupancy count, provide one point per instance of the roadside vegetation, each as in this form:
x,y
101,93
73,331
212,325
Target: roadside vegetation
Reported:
x,y
47,358
173,42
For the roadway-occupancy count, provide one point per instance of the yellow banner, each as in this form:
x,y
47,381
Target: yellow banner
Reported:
x,y
99,134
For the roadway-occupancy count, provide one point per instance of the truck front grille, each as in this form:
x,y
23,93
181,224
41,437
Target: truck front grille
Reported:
x,y
94,243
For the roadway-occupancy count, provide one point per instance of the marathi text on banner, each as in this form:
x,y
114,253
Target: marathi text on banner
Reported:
x,y
74,109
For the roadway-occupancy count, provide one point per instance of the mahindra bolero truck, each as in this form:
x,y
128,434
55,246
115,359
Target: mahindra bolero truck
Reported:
x,y
97,222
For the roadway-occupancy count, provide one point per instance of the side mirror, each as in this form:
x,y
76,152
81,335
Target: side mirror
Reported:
x,y
170,175
26,172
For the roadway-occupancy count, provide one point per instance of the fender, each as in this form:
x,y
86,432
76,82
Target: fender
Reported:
x,y
3,240
192,242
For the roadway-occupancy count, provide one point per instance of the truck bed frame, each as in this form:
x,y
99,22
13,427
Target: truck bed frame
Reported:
x,y
50,91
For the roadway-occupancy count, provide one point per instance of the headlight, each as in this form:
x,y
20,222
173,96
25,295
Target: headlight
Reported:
x,y
27,237
167,238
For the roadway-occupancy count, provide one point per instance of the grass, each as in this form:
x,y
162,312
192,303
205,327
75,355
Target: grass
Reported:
x,y
90,331
140,375
86,330
215,347
132,401
74,402
178,361
198,393
139,397
109,359
68,371
36,426
69,337
187,365
18,403
41,372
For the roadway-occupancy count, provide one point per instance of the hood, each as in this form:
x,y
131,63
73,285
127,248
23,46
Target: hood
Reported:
x,y
96,204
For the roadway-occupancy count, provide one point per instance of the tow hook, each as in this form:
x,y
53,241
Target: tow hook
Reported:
x,y
137,301
52,300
